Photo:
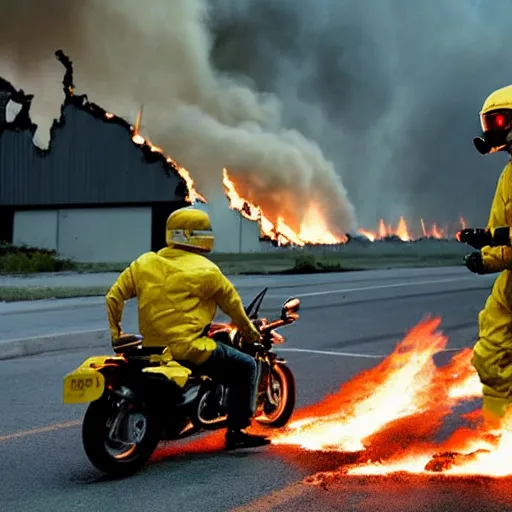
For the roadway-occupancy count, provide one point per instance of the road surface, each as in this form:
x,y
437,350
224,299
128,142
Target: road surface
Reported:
x,y
348,322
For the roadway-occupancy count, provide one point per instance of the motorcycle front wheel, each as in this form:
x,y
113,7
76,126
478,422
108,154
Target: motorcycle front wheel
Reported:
x,y
279,404
118,439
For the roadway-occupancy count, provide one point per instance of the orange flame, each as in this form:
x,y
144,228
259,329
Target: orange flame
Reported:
x,y
389,414
403,232
313,229
192,194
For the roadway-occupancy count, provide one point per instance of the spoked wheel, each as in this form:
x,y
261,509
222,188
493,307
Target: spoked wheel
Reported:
x,y
118,437
209,409
280,400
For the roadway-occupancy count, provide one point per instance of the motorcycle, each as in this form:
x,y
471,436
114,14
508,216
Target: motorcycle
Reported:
x,y
139,398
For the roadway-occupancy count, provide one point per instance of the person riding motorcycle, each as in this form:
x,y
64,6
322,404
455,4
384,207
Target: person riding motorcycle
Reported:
x,y
492,353
178,291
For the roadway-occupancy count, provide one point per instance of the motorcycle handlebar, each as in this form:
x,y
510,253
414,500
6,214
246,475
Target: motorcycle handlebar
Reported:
x,y
268,328
275,324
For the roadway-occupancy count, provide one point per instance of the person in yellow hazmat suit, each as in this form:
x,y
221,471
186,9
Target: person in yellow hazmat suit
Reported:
x,y
178,291
492,354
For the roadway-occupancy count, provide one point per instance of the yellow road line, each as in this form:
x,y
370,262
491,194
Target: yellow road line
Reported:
x,y
269,502
40,430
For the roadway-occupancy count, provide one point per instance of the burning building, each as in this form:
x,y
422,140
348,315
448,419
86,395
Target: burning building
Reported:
x,y
100,185
102,192
92,196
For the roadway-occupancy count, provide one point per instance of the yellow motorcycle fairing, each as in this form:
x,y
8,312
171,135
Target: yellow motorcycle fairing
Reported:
x,y
173,371
87,383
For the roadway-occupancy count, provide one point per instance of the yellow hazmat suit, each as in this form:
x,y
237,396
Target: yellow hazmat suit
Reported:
x,y
492,355
493,351
178,291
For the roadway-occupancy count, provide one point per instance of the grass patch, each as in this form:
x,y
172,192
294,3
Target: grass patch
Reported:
x,y
25,260
353,256
258,264
13,294
95,268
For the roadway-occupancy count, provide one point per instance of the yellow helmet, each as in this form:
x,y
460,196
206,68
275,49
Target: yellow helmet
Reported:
x,y
496,122
189,228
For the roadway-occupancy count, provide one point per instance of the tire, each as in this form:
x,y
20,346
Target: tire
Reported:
x,y
280,417
96,441
212,424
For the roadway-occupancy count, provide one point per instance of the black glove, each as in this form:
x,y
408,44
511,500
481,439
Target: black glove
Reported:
x,y
259,323
477,238
474,262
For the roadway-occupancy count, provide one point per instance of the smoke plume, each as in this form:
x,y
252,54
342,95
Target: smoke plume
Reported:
x,y
127,54
391,89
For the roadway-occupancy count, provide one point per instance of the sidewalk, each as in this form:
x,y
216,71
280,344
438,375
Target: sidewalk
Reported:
x,y
31,327
83,280
58,279
79,280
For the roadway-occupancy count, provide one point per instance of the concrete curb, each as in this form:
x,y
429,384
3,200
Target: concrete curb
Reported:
x,y
22,347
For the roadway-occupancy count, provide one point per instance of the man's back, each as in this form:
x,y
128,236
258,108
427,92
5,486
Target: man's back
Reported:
x,y
174,290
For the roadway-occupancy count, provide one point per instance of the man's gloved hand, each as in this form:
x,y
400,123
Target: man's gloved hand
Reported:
x,y
474,262
259,323
252,335
477,238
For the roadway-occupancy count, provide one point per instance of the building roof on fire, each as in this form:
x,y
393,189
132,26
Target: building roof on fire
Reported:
x,y
91,160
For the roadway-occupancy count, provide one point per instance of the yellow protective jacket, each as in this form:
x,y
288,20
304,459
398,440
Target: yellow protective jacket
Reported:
x,y
499,258
178,293
492,354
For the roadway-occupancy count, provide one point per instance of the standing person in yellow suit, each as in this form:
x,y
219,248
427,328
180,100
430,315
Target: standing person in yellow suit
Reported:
x,y
492,354
178,291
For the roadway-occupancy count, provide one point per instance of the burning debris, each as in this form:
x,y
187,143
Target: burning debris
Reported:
x,y
388,415
404,233
312,230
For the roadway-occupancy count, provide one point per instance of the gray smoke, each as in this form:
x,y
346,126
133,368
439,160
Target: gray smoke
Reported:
x,y
127,53
391,90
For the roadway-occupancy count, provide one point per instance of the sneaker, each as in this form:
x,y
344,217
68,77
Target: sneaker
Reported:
x,y
240,439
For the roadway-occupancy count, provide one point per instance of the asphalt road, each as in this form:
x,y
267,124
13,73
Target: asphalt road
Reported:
x,y
43,467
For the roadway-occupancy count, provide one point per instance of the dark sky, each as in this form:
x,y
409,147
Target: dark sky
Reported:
x,y
391,90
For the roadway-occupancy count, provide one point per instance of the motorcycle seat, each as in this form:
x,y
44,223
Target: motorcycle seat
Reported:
x,y
127,342
197,371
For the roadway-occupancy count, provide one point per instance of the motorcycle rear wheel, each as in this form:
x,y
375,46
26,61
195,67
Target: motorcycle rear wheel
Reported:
x,y
278,416
108,455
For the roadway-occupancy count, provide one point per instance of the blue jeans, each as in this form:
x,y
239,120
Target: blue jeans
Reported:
x,y
238,371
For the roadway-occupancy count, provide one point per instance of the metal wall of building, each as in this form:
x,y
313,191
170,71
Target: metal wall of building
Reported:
x,y
233,233
96,235
90,162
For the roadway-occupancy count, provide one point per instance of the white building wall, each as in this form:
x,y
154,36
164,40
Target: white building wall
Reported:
x,y
36,228
88,234
233,233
